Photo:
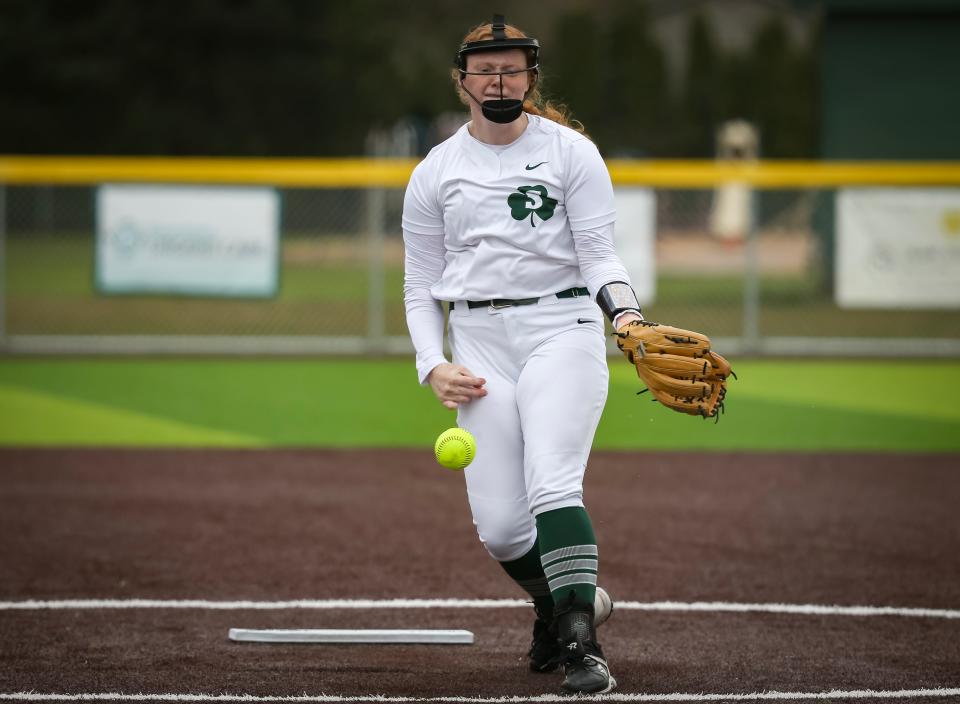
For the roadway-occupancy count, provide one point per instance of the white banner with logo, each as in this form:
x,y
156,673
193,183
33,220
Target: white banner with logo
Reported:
x,y
898,248
634,239
203,241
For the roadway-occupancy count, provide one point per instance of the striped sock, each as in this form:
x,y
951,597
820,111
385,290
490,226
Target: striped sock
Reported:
x,y
568,552
527,571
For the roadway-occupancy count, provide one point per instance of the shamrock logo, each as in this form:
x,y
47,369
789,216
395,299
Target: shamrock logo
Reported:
x,y
531,200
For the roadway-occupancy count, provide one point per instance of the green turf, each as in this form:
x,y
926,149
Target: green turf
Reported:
x,y
37,418
775,405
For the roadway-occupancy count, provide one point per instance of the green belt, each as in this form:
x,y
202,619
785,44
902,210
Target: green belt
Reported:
x,y
507,302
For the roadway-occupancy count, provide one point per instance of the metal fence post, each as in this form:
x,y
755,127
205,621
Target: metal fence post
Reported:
x,y
3,267
751,282
376,237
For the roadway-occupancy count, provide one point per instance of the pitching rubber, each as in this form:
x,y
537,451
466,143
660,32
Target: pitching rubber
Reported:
x,y
305,635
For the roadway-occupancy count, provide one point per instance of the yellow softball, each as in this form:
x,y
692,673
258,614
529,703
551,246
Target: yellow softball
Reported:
x,y
455,448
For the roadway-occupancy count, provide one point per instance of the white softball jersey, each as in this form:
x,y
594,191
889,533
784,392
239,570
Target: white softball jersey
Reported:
x,y
525,220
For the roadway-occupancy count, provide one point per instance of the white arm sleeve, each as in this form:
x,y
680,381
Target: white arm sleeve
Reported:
x,y
591,212
423,266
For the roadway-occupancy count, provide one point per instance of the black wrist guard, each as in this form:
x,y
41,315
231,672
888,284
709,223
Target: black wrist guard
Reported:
x,y
616,297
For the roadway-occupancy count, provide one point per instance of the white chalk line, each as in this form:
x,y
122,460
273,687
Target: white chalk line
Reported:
x,y
674,606
868,694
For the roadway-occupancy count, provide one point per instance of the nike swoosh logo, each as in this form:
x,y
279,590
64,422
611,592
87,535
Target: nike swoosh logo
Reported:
x,y
581,321
531,168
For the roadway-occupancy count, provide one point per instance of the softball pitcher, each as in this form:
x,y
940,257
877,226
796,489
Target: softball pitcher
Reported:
x,y
511,222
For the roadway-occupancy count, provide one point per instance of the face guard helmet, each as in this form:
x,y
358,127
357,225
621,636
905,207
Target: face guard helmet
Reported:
x,y
503,110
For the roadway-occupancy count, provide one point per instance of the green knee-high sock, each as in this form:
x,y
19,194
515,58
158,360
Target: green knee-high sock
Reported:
x,y
568,551
527,571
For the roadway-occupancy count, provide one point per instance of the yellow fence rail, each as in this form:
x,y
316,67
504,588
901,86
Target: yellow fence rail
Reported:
x,y
394,173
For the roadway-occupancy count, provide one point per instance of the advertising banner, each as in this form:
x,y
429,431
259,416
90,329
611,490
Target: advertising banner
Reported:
x,y
200,241
898,248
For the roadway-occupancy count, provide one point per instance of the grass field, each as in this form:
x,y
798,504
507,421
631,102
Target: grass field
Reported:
x,y
775,405
789,405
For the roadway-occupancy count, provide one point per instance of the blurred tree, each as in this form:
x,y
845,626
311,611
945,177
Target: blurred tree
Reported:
x,y
769,69
205,77
303,77
703,90
574,70
638,103
772,85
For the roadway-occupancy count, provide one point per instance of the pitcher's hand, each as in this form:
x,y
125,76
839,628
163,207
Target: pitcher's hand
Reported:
x,y
454,384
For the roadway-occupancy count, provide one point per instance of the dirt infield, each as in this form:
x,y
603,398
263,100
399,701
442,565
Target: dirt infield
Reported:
x,y
838,529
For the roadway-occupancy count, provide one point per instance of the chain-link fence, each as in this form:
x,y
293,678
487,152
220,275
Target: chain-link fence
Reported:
x,y
768,289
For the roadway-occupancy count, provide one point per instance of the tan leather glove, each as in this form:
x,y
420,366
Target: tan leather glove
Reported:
x,y
678,366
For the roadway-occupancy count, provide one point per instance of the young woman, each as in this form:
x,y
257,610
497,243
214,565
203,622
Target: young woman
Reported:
x,y
511,222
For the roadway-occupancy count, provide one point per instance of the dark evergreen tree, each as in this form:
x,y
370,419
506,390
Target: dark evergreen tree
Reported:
x,y
703,89
310,78
638,103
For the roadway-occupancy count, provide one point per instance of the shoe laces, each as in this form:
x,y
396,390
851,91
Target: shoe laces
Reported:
x,y
541,635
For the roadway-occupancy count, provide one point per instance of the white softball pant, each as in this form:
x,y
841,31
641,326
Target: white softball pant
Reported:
x,y
546,371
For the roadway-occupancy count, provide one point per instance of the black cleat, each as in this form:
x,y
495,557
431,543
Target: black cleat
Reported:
x,y
545,653
586,671
585,668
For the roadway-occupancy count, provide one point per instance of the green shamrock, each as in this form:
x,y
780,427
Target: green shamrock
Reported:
x,y
531,200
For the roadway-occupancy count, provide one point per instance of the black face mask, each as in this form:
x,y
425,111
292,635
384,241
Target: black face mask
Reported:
x,y
503,111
